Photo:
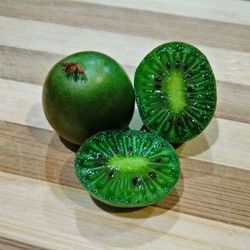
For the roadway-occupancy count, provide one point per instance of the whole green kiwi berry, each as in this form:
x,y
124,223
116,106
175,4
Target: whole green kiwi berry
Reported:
x,y
85,93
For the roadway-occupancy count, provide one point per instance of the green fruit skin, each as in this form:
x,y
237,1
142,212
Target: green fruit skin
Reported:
x,y
79,109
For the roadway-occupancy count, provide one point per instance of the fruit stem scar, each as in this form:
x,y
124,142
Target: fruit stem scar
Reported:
x,y
74,70
73,67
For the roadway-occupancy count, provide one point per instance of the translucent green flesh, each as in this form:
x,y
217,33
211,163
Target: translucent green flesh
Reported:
x,y
134,164
175,91
127,169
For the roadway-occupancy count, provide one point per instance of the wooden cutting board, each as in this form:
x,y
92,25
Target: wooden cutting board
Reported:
x,y
42,204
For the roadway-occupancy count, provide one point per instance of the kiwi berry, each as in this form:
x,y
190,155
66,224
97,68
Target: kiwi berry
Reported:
x,y
127,168
85,93
175,91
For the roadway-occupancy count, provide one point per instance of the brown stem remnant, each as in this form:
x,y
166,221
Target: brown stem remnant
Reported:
x,y
73,67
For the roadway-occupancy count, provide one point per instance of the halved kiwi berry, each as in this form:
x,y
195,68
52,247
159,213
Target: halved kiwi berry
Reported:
x,y
175,91
127,168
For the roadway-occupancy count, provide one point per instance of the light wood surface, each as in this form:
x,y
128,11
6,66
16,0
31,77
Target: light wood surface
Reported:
x,y
42,203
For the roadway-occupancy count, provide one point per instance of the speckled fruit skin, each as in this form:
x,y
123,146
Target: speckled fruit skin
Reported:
x,y
79,109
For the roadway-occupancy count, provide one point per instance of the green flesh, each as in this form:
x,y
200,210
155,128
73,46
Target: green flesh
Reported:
x,y
133,164
127,168
175,91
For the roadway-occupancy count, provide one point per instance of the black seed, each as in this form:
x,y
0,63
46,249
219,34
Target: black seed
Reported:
x,y
177,64
135,181
144,128
178,121
152,175
157,85
87,174
189,74
190,88
111,174
158,159
168,65
130,149
206,76
158,78
185,67
100,156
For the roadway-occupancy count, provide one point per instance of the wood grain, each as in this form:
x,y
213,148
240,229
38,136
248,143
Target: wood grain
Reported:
x,y
22,104
208,190
232,98
236,11
233,102
10,244
66,218
132,22
17,64
229,65
42,203
13,58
